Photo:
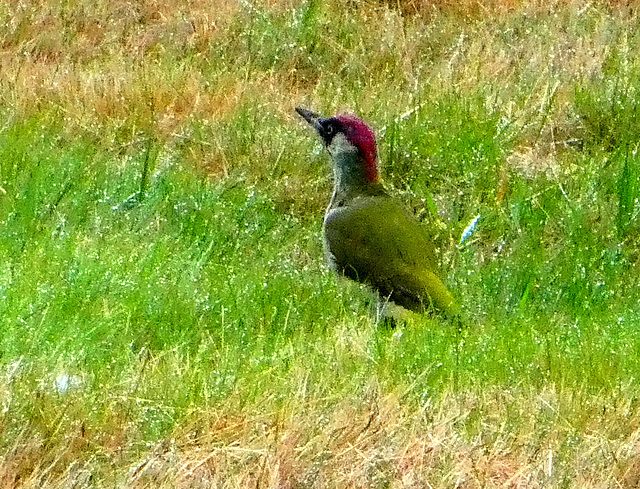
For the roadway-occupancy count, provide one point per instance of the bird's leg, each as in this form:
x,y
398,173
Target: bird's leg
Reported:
x,y
384,314
381,307
459,325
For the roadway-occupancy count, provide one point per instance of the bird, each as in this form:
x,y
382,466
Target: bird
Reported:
x,y
368,235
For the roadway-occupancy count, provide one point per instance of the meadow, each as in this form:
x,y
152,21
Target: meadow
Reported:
x,y
167,318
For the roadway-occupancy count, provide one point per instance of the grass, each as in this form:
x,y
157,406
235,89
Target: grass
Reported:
x,y
167,319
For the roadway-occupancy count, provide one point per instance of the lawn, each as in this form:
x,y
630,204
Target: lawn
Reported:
x,y
167,318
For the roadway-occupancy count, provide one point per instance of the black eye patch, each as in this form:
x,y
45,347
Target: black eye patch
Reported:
x,y
330,127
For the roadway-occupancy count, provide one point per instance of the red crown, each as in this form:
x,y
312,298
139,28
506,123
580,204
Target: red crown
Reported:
x,y
362,137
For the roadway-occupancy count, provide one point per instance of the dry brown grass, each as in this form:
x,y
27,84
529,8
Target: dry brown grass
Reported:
x,y
474,9
144,66
493,439
100,65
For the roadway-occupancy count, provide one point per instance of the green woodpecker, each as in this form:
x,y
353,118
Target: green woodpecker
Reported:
x,y
368,236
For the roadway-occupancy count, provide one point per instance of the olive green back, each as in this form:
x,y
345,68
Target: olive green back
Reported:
x,y
374,240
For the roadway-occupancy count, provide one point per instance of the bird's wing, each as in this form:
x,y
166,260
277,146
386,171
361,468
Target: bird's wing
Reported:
x,y
376,241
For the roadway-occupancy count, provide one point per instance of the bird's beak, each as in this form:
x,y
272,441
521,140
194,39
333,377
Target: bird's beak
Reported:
x,y
312,118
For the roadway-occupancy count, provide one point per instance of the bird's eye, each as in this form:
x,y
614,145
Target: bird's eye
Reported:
x,y
330,130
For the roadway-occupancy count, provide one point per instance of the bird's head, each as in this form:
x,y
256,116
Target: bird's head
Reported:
x,y
346,136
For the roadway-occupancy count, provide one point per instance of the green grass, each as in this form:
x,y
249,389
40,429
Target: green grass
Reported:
x,y
166,259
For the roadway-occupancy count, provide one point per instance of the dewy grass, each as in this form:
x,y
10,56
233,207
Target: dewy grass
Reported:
x,y
167,317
